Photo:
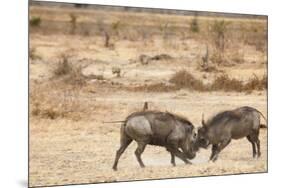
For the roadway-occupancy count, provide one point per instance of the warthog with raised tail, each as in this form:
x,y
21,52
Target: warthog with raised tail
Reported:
x,y
234,124
160,129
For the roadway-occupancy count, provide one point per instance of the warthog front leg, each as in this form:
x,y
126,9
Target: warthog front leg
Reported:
x,y
216,149
173,159
179,154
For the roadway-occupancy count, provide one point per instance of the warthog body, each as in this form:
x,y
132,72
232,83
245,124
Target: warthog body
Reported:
x,y
235,124
160,129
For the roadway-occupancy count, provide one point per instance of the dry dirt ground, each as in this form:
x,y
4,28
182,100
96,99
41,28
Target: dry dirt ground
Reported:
x,y
75,146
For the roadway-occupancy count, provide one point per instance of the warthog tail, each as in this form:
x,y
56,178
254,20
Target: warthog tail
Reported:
x,y
262,125
114,121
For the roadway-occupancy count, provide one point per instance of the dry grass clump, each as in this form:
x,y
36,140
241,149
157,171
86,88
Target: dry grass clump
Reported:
x,y
184,79
157,87
223,82
69,73
256,83
35,21
52,101
33,54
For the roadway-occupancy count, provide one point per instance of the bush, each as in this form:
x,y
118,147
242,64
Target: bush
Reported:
x,y
194,27
71,74
33,55
157,87
53,100
73,22
255,83
35,21
63,67
184,79
218,30
223,82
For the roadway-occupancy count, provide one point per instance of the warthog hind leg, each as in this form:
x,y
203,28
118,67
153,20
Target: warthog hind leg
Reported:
x,y
125,141
253,145
139,151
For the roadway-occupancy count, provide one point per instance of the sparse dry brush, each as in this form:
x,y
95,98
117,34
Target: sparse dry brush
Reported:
x,y
222,82
194,25
184,79
53,101
68,72
73,23
35,21
255,83
33,55
156,87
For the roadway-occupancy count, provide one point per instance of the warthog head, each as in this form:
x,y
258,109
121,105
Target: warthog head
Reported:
x,y
191,145
202,138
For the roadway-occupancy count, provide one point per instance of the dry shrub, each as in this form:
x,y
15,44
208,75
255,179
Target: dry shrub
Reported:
x,y
184,79
157,87
237,56
117,71
219,30
53,100
35,21
73,23
255,83
162,57
257,36
218,58
71,74
194,26
33,54
223,82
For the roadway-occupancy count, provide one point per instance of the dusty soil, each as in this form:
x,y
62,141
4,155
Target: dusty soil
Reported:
x,y
80,148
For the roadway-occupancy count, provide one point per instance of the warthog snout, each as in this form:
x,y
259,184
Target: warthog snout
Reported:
x,y
191,154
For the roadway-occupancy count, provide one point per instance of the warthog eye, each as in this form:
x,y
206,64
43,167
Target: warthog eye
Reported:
x,y
194,135
202,140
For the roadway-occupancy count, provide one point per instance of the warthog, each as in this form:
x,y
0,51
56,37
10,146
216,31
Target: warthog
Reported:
x,y
160,129
227,125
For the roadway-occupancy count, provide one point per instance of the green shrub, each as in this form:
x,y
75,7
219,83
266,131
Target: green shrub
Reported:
x,y
35,21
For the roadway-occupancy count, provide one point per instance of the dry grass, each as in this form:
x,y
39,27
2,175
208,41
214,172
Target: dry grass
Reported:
x,y
33,55
55,100
255,83
223,82
156,87
35,21
184,79
68,72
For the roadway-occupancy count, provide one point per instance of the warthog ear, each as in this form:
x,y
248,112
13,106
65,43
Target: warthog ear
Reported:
x,y
203,121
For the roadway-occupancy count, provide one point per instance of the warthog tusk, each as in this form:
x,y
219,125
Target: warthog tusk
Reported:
x,y
113,121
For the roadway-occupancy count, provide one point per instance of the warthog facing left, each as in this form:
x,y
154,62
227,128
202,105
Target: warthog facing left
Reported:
x,y
233,124
160,129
